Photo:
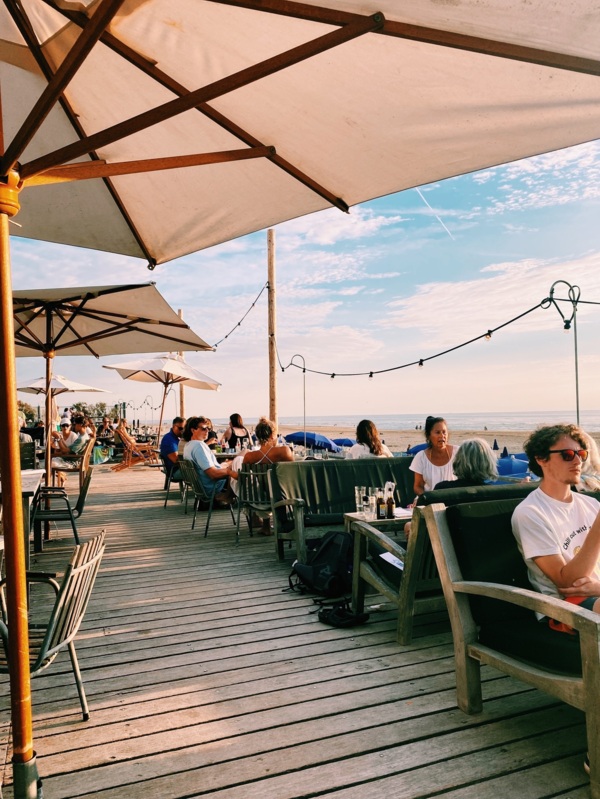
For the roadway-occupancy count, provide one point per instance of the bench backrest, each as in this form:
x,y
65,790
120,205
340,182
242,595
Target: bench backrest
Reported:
x,y
327,486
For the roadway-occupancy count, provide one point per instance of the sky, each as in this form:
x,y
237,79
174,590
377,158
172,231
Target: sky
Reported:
x,y
399,279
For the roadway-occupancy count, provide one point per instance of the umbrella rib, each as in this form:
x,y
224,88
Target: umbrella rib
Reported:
x,y
420,33
23,24
60,80
102,169
232,82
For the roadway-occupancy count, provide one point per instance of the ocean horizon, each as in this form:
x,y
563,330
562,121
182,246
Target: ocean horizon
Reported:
x,y
494,420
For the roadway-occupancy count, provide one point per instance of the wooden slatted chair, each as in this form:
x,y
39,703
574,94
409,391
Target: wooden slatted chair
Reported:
x,y
28,459
72,594
492,606
135,453
414,588
254,495
78,463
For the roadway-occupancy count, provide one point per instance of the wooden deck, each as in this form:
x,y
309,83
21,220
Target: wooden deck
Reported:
x,y
205,678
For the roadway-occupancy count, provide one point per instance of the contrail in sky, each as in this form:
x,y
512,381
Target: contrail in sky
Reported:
x,y
436,216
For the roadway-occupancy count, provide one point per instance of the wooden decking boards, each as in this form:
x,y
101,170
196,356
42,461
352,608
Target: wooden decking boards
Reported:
x,y
206,679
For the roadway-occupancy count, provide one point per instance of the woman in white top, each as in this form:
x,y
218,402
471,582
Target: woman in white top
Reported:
x,y
434,464
368,444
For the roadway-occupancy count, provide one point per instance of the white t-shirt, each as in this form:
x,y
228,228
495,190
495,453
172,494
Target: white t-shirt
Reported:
x,y
362,451
546,526
432,474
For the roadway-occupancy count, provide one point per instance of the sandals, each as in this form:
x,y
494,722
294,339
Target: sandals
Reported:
x,y
341,615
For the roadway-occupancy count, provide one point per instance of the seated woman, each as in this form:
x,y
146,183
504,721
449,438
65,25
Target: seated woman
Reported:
x,y
268,452
433,464
589,479
368,443
212,439
236,433
473,465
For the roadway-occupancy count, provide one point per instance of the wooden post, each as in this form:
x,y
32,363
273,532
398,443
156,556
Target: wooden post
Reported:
x,y
181,390
272,327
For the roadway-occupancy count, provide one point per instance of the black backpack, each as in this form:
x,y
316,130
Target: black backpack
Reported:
x,y
329,568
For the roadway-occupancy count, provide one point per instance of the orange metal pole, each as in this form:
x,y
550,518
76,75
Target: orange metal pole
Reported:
x,y
12,509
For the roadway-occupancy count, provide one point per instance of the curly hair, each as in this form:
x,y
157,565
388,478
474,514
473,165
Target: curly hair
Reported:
x,y
367,434
475,461
543,439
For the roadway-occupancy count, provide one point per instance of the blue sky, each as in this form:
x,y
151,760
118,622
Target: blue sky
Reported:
x,y
398,279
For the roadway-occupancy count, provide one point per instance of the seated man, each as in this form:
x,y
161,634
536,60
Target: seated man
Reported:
x,y
557,529
78,445
105,430
169,446
24,438
207,466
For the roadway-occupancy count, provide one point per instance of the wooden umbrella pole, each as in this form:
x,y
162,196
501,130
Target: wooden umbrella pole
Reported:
x,y
162,410
24,764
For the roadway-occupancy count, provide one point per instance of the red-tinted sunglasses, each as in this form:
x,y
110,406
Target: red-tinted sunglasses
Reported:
x,y
569,454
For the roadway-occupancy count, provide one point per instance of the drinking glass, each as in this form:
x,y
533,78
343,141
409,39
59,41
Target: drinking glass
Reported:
x,y
358,497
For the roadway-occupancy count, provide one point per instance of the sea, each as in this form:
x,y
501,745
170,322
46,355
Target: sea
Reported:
x,y
515,420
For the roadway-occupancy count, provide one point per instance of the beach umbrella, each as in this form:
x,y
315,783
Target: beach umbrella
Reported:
x,y
169,370
344,442
266,111
504,453
58,385
95,320
314,440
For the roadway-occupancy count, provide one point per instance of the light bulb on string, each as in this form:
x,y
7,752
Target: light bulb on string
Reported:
x,y
421,362
567,325
488,335
370,375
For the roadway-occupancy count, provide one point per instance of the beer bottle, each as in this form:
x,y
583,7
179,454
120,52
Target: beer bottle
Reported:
x,y
381,507
390,504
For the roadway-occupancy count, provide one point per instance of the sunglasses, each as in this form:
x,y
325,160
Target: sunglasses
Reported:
x,y
569,454
202,427
65,425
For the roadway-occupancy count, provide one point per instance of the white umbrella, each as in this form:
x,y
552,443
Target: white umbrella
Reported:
x,y
58,385
167,370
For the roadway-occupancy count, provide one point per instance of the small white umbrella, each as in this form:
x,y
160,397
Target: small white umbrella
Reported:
x,y
168,370
58,385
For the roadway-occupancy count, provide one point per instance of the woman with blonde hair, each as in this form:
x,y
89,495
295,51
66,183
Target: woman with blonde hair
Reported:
x,y
368,443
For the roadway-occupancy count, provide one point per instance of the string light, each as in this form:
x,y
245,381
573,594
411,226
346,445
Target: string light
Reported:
x,y
235,327
545,303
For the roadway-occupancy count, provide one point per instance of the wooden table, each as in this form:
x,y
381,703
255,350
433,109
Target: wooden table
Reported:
x,y
378,524
30,482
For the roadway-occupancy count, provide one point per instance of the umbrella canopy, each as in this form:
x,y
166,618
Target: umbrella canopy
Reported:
x,y
167,370
266,110
96,320
58,385
344,442
315,440
270,110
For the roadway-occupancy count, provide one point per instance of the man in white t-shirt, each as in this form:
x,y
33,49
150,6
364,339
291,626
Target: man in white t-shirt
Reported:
x,y
558,530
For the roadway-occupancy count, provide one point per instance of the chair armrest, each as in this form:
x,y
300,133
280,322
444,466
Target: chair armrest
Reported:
x,y
577,617
378,537
294,502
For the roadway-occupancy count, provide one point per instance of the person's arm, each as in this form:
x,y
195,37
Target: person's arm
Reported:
x,y
576,576
419,484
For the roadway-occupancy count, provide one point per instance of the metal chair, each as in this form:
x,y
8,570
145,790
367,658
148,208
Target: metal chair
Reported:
x,y
52,505
71,598
197,489
169,471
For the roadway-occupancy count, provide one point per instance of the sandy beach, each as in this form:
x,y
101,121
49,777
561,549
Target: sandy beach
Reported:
x,y
400,440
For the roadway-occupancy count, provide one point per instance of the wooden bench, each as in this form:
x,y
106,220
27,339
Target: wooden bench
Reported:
x,y
491,607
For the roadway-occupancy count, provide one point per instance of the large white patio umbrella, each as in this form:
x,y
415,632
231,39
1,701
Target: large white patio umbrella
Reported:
x,y
169,370
266,110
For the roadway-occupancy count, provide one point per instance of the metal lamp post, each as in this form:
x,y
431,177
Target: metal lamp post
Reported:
x,y
574,294
303,394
